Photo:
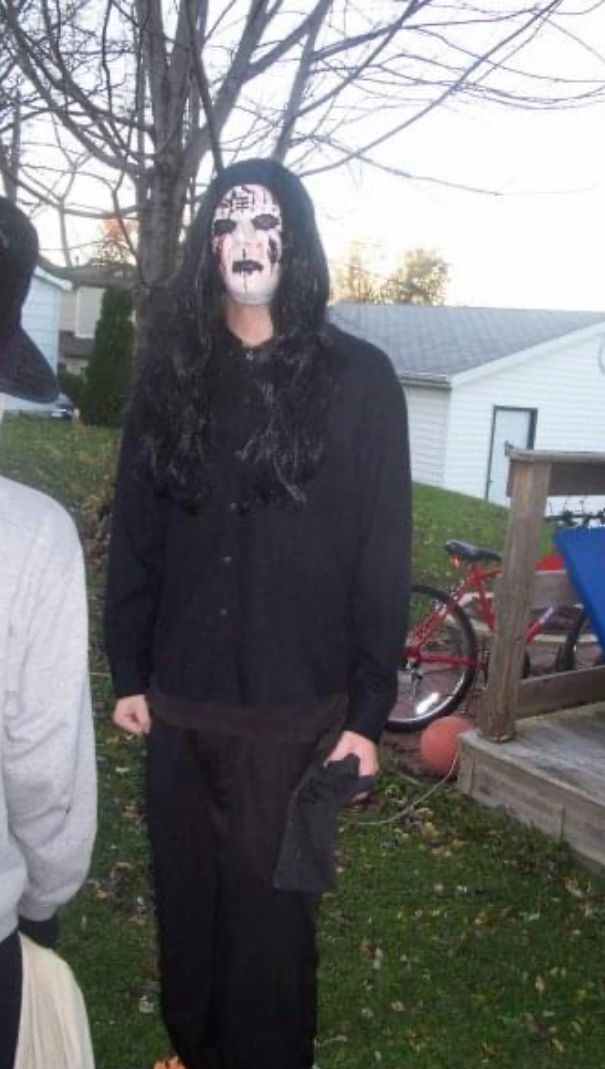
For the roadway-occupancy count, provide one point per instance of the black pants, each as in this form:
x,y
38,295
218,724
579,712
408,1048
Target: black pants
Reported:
x,y
237,957
10,998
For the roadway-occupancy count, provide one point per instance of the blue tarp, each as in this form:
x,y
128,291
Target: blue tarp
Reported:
x,y
583,550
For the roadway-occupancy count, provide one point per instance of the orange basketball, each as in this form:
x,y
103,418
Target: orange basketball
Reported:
x,y
439,744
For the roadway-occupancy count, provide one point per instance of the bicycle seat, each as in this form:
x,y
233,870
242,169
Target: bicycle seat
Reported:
x,y
472,554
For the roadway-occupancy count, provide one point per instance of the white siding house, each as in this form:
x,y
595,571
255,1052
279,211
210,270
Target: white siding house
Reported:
x,y
428,415
80,310
561,386
40,318
478,380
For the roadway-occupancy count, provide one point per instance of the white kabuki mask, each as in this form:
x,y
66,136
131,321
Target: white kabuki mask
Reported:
x,y
247,243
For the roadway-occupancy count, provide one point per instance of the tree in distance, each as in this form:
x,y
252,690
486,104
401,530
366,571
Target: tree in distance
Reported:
x,y
421,277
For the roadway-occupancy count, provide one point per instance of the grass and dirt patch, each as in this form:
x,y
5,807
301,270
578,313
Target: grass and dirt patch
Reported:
x,y
456,939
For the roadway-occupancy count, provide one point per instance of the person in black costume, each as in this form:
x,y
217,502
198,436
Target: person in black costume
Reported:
x,y
256,602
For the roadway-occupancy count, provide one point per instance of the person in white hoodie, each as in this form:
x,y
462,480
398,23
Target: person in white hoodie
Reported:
x,y
47,763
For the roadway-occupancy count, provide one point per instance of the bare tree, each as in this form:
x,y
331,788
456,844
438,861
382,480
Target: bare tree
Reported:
x,y
122,108
421,277
355,281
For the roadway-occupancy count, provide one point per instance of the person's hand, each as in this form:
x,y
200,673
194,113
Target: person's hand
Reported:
x,y
132,715
366,750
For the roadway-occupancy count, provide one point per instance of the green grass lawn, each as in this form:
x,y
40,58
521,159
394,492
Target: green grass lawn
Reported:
x,y
456,939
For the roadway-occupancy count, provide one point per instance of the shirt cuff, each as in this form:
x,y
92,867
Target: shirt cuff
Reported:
x,y
44,933
130,676
369,709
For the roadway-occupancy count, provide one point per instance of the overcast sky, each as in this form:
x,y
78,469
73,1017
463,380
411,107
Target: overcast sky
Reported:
x,y
540,244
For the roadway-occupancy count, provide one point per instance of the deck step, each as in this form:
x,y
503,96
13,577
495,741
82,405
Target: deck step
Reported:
x,y
551,775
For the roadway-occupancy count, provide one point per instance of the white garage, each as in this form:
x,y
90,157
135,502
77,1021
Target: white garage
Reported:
x,y
480,379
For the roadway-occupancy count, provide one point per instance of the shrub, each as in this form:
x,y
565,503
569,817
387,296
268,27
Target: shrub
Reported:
x,y
72,385
109,370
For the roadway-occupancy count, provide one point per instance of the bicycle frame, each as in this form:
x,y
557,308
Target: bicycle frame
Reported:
x,y
475,581
451,630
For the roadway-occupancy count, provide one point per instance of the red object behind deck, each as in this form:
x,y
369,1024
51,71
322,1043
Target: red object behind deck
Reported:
x,y
553,562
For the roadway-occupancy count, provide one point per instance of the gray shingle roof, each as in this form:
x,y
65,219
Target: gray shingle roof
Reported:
x,y
438,342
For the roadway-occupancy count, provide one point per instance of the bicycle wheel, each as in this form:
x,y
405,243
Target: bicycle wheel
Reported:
x,y
581,648
439,661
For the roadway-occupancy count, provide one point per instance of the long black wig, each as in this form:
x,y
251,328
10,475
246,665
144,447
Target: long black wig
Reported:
x,y
172,401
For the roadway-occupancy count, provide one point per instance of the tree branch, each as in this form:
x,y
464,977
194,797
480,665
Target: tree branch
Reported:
x,y
23,44
293,110
278,51
151,30
204,92
230,89
450,91
122,276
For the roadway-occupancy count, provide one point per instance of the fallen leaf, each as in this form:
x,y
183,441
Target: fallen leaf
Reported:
x,y
146,1005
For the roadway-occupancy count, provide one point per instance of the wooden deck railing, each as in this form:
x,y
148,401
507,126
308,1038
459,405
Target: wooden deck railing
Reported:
x,y
534,476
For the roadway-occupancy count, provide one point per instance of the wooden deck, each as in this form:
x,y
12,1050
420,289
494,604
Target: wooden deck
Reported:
x,y
551,775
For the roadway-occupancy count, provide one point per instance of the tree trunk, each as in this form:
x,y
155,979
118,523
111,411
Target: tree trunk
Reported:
x,y
158,254
12,156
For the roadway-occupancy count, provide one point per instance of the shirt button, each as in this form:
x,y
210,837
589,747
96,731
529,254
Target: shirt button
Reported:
x,y
233,506
223,612
227,560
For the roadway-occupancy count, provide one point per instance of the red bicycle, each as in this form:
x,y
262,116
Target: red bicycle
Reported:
x,y
450,631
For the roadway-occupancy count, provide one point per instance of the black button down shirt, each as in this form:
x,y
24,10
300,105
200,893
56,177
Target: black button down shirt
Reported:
x,y
272,603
